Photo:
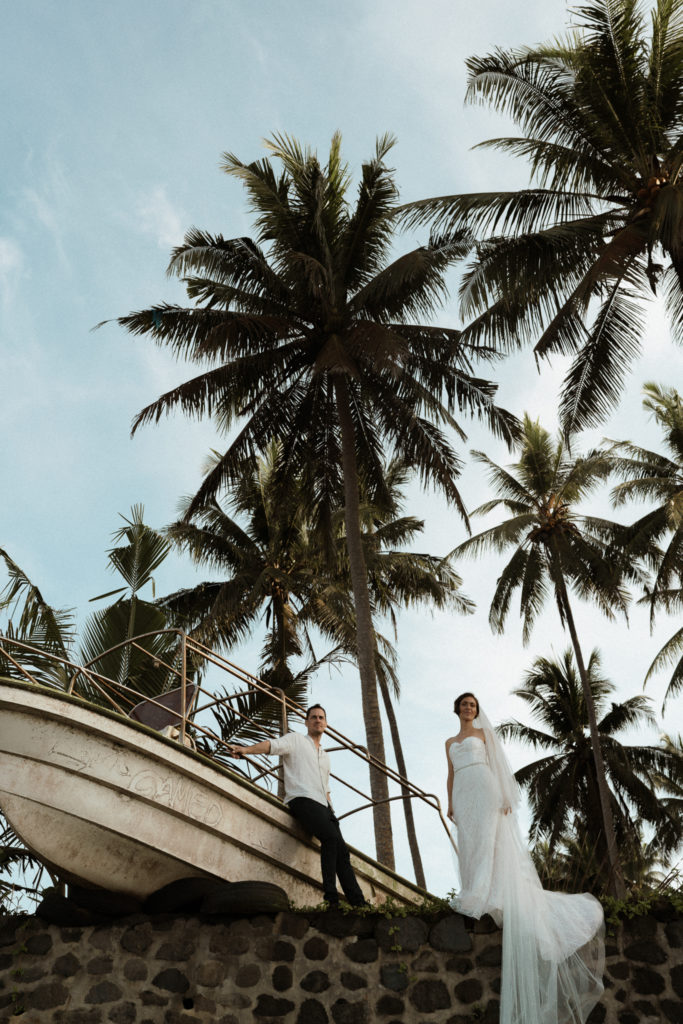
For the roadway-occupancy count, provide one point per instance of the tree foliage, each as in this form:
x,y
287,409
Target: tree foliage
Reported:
x,y
310,334
562,784
657,536
571,261
314,297
556,548
551,540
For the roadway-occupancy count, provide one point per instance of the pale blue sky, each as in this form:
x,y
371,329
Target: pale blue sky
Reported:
x,y
115,118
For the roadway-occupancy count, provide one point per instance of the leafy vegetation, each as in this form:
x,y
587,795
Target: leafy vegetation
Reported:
x,y
319,361
566,823
310,335
652,476
555,547
572,260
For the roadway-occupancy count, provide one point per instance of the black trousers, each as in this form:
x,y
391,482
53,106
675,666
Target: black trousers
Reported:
x,y
319,821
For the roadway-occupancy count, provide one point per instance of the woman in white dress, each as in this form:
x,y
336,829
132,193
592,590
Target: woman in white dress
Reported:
x,y
553,943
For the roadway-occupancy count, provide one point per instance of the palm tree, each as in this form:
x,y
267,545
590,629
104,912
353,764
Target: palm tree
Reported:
x,y
271,557
571,863
312,339
672,782
674,745
50,631
562,785
265,555
138,552
555,548
574,863
17,862
397,579
267,558
103,639
646,476
572,260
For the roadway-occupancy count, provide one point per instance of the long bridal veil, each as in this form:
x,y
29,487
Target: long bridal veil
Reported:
x,y
553,943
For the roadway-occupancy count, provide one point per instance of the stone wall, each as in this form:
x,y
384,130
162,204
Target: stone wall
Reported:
x,y
304,968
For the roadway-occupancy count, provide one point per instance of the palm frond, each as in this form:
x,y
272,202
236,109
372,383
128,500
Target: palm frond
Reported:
x,y
595,379
53,628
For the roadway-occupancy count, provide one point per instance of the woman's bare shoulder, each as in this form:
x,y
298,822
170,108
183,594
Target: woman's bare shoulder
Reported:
x,y
481,734
449,741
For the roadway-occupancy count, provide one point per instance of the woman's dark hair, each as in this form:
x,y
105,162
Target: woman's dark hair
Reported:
x,y
456,705
316,706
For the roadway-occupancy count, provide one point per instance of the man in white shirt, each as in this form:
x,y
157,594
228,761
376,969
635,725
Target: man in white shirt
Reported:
x,y
307,775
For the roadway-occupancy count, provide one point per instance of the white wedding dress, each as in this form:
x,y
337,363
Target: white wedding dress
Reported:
x,y
553,943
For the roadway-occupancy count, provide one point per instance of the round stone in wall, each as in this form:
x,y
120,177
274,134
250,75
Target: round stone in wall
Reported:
x,y
282,978
450,935
406,933
312,1012
315,981
428,995
316,948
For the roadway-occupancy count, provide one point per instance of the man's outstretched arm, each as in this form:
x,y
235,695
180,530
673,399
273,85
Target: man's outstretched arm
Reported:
x,y
256,748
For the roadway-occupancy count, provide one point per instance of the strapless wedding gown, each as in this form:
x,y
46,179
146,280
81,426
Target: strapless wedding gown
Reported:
x,y
553,943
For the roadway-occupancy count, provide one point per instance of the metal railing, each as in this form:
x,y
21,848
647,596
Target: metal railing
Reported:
x,y
200,714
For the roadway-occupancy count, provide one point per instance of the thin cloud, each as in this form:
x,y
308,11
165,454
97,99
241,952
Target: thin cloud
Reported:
x,y
51,205
161,219
11,268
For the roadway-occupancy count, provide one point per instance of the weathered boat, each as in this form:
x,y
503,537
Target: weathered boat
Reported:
x,y
106,800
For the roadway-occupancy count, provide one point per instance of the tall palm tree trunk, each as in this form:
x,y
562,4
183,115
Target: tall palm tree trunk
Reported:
x,y
366,644
616,879
401,765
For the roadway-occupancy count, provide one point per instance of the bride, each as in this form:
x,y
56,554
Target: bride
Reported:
x,y
553,943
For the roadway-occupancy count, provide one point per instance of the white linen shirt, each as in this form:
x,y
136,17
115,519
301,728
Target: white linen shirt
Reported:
x,y
307,766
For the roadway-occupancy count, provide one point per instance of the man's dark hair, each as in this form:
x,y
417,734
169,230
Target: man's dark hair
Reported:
x,y
316,706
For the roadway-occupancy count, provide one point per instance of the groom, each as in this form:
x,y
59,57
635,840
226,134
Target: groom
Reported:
x,y
307,775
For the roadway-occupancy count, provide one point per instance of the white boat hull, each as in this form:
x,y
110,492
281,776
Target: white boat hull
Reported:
x,y
110,803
